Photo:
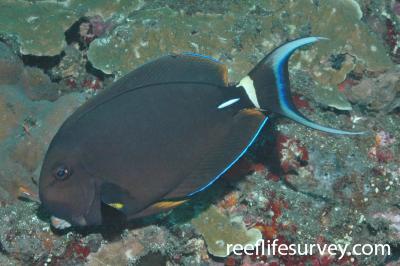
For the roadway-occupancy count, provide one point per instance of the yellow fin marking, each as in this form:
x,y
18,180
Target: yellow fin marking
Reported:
x,y
116,205
168,204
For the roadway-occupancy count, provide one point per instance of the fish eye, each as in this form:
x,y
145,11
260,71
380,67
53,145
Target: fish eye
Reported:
x,y
62,172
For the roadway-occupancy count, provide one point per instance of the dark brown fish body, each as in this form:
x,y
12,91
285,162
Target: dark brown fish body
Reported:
x,y
159,135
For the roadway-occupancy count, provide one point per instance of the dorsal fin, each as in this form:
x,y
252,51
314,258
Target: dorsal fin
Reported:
x,y
187,67
179,68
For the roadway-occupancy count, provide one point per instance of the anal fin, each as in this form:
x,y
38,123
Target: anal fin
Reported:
x,y
158,207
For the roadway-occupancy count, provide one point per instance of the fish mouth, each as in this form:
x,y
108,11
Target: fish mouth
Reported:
x,y
91,217
59,223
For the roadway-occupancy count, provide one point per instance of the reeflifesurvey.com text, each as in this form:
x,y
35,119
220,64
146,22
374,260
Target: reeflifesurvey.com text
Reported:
x,y
274,248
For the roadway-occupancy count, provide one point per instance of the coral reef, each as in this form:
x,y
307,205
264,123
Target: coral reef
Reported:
x,y
351,44
39,26
28,119
304,187
365,93
219,231
133,246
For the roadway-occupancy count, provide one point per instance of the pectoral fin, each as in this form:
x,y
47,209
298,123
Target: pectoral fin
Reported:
x,y
116,205
118,198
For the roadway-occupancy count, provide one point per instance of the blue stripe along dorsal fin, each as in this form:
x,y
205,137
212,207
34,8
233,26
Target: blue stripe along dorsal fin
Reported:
x,y
202,56
278,98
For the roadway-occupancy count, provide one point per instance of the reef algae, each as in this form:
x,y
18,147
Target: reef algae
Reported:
x,y
220,231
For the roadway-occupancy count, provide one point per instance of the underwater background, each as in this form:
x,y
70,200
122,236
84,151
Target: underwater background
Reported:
x,y
295,184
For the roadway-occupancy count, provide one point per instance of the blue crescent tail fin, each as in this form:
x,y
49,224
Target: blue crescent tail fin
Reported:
x,y
270,79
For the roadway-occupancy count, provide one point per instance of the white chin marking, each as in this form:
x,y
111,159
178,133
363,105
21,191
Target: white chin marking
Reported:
x,y
59,223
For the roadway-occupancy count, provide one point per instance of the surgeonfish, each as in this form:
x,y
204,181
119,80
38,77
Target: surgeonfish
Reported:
x,y
161,134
